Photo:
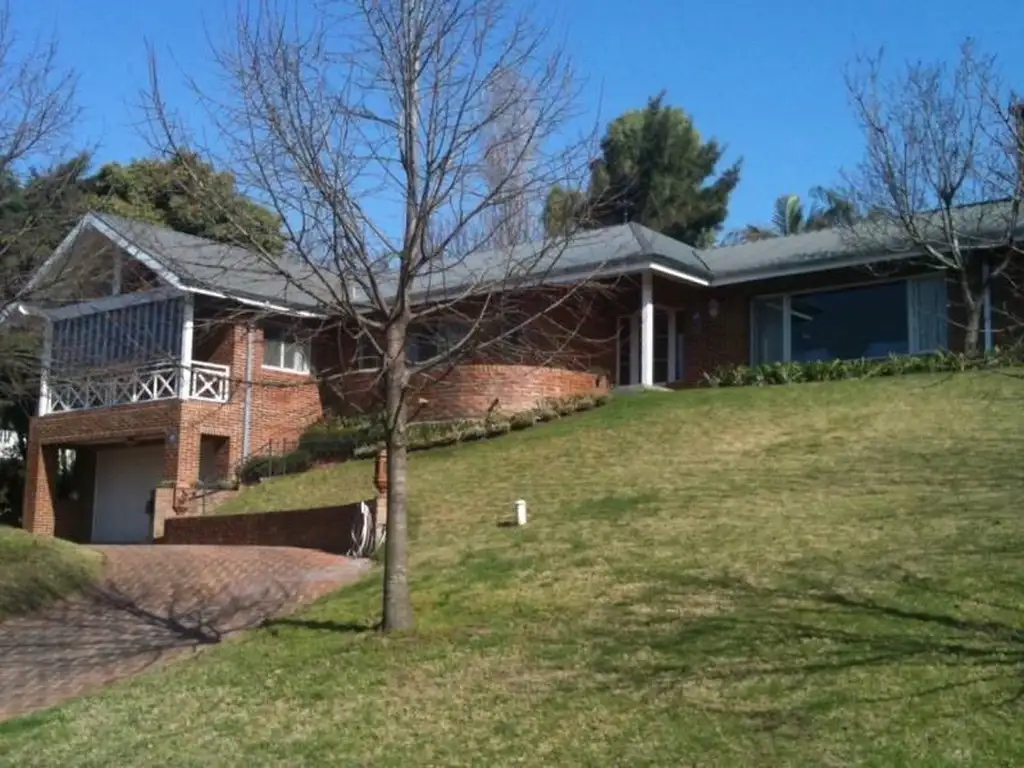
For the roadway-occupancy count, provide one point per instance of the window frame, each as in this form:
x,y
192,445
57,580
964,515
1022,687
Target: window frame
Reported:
x,y
366,350
286,337
436,333
785,298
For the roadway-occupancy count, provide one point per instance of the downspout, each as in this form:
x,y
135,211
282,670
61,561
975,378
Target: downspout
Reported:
x,y
247,404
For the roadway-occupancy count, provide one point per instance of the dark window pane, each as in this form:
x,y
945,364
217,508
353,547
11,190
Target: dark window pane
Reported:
x,y
767,330
859,322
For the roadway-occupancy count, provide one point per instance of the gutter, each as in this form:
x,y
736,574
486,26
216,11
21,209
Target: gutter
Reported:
x,y
247,404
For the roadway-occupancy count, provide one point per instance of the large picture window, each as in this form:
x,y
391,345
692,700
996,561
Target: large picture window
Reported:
x,y
870,321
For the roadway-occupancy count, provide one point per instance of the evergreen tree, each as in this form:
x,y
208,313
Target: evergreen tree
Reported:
x,y
656,170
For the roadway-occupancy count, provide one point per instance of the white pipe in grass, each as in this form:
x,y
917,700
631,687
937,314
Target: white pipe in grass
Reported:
x,y
520,512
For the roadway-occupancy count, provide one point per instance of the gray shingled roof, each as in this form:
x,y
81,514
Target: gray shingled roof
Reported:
x,y
201,263
236,272
978,226
592,252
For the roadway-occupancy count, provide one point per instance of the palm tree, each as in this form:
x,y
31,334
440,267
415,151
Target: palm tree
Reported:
x,y
828,209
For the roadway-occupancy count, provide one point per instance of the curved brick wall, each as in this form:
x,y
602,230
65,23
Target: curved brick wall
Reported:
x,y
472,390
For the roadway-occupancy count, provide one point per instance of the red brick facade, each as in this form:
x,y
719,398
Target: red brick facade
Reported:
x,y
714,323
330,529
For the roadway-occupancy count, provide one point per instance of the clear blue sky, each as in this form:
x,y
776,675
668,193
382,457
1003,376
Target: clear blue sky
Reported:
x,y
763,78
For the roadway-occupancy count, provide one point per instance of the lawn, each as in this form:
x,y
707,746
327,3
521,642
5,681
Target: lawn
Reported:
x,y
35,571
822,574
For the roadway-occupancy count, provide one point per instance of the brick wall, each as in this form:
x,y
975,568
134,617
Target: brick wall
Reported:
x,y
327,528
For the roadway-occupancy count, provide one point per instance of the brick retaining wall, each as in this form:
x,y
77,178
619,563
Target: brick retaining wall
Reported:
x,y
327,528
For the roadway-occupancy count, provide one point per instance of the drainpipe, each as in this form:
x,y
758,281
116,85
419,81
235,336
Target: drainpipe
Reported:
x,y
247,405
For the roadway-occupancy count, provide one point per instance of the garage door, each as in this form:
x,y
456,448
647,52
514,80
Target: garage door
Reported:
x,y
125,479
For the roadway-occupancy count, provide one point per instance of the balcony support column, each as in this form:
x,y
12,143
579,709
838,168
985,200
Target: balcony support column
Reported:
x,y
187,331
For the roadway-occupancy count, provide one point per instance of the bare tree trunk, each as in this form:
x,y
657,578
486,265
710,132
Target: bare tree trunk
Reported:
x,y
972,328
397,603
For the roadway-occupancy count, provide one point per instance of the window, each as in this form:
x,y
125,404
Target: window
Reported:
x,y
433,340
283,350
898,317
367,356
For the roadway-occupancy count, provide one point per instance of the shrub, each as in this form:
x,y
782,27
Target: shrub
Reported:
x,y
260,467
523,420
546,413
497,426
836,370
336,439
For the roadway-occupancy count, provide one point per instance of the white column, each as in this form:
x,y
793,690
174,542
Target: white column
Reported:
x,y
44,369
187,330
647,330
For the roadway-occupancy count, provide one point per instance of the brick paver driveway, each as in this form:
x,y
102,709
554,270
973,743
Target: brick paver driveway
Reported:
x,y
153,602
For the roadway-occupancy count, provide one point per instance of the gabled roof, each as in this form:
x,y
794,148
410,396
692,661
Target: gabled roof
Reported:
x,y
196,264
620,249
206,266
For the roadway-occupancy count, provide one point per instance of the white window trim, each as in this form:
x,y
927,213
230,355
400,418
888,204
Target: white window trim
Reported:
x,y
787,303
306,352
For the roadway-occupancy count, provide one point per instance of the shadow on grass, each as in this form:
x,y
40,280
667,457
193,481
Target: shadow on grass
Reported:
x,y
320,626
782,656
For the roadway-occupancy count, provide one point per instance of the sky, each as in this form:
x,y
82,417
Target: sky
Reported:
x,y
764,79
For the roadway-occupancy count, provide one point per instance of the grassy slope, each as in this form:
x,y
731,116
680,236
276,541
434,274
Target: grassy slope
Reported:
x,y
819,575
35,571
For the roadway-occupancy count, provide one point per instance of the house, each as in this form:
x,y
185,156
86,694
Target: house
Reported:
x,y
172,358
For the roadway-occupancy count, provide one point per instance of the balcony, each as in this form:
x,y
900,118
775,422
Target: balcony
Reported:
x,y
206,382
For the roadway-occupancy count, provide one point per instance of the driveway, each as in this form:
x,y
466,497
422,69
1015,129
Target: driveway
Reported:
x,y
154,602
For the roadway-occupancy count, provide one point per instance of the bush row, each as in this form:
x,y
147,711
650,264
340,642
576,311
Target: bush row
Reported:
x,y
837,370
336,440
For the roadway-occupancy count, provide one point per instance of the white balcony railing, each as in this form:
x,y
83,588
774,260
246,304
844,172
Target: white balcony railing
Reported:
x,y
207,381
210,381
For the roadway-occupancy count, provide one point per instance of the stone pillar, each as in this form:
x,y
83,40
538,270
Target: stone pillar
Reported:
x,y
40,487
381,481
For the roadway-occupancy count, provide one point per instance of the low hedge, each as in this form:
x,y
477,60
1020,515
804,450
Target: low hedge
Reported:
x,y
839,370
336,440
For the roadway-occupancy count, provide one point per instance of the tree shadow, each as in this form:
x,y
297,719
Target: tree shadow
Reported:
x,y
321,626
114,630
795,640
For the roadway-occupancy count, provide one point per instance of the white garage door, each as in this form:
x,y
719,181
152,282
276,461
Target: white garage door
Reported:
x,y
125,479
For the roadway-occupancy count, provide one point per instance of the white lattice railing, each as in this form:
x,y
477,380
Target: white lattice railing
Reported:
x,y
208,381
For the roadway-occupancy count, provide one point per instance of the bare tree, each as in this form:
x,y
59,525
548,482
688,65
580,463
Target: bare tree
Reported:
x,y
941,175
401,141
37,109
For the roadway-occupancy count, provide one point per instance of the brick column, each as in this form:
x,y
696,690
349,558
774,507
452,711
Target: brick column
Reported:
x,y
163,508
40,487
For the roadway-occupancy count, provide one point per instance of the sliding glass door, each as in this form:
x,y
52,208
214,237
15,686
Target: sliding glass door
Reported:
x,y
877,320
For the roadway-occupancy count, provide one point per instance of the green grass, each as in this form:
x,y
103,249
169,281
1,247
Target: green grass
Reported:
x,y
824,574
36,571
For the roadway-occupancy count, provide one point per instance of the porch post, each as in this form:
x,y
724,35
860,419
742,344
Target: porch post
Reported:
x,y
647,330
187,330
44,371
